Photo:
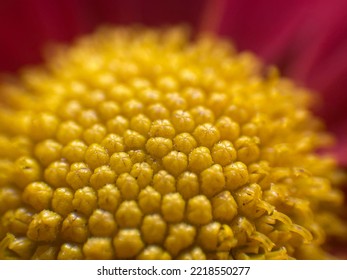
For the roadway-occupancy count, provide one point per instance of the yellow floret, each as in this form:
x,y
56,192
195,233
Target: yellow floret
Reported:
x,y
55,174
188,185
202,115
38,195
74,228
194,254
199,159
94,134
97,248
62,201
139,143
68,131
236,175
153,229
175,162
162,128
132,108
228,129
157,111
102,223
43,126
96,156
26,170
87,118
128,214
215,237
224,153
109,197
180,237
74,151
163,182
174,101
113,143
141,124
128,186
172,207
70,251
184,143
44,226
206,135
85,200
48,151
133,140
127,243
182,121
45,252
153,253
9,199
17,221
212,180
102,176
79,175
224,207
199,210
149,200
143,173
139,156
158,147
107,109
117,125
120,162
23,247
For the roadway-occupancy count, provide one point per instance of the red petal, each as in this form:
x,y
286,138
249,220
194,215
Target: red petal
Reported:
x,y
152,12
27,25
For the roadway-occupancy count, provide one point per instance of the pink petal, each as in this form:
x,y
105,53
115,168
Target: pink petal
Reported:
x,y
152,12
27,25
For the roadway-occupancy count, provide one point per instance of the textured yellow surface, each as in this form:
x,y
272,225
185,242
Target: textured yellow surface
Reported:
x,y
140,144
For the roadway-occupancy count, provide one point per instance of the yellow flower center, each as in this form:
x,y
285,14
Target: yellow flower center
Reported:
x,y
136,143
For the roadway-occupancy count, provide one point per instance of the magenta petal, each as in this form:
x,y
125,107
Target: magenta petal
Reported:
x,y
340,150
264,27
151,12
27,25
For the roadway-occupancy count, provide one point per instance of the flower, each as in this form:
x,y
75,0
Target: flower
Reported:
x,y
156,148
136,143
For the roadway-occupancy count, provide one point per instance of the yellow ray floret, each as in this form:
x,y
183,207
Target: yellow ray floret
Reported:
x,y
136,143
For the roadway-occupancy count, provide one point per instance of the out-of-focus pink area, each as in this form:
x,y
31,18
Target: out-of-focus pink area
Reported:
x,y
26,26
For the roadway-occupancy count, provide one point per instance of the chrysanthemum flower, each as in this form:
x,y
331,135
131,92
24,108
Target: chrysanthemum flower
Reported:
x,y
140,143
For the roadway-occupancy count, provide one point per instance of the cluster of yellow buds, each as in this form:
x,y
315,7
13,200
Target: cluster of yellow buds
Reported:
x,y
136,143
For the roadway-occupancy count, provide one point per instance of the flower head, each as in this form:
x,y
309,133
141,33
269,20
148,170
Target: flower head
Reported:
x,y
137,143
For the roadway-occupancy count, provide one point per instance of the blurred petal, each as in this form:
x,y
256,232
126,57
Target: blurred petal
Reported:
x,y
27,25
151,12
264,27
